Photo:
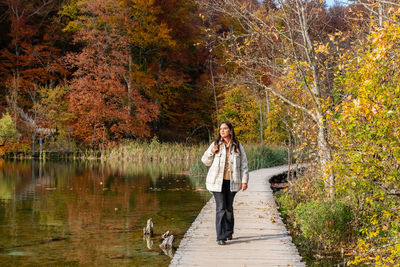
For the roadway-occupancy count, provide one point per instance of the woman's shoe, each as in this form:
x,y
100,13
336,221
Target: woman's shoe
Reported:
x,y
229,237
221,242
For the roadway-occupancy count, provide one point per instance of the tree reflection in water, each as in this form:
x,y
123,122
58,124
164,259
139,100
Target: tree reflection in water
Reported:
x,y
91,213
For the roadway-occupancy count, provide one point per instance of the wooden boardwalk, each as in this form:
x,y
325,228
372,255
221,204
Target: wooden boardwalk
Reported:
x,y
260,237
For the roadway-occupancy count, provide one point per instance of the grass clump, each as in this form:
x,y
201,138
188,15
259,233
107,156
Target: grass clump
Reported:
x,y
258,156
263,156
154,151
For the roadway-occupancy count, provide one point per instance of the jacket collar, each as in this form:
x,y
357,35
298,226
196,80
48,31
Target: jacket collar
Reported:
x,y
221,142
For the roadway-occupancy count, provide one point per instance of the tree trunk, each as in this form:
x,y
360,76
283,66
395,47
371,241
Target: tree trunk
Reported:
x,y
33,141
261,124
268,105
325,156
213,87
380,14
129,84
40,147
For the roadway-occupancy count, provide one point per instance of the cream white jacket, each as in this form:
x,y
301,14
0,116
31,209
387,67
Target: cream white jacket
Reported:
x,y
237,166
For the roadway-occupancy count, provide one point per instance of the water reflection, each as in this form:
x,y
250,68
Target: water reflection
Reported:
x,y
86,213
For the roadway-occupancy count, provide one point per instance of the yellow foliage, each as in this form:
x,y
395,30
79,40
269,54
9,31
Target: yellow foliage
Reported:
x,y
366,131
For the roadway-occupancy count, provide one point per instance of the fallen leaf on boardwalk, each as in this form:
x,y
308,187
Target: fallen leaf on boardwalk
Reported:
x,y
260,216
247,242
272,220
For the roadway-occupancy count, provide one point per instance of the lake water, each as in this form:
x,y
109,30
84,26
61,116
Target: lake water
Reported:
x,y
92,214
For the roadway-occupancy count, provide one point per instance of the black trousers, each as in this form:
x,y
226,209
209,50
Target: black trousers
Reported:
x,y
224,220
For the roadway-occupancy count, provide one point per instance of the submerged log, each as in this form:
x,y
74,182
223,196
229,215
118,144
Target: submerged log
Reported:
x,y
166,245
167,242
148,230
149,241
165,235
168,252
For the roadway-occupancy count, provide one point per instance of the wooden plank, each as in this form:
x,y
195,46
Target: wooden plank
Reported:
x,y
260,237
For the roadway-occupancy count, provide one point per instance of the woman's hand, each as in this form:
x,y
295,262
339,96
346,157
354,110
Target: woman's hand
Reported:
x,y
244,187
215,149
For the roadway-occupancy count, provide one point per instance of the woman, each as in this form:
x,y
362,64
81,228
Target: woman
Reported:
x,y
227,175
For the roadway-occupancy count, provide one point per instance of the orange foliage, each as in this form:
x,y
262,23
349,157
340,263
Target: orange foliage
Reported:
x,y
31,57
105,104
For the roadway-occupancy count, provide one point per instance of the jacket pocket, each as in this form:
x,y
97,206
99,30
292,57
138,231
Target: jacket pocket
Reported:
x,y
236,168
217,160
214,169
236,162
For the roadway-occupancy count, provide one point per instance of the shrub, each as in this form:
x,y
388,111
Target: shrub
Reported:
x,y
286,203
325,223
8,132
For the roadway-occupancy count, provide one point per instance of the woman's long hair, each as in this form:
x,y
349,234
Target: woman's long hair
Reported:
x,y
233,136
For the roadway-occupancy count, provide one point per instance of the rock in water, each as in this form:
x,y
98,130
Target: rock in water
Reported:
x,y
148,230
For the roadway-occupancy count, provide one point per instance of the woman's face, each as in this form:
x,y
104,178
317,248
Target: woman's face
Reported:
x,y
224,130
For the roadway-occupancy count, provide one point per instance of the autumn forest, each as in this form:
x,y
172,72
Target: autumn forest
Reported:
x,y
104,72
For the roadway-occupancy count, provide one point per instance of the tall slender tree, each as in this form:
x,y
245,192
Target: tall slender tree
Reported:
x,y
289,45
